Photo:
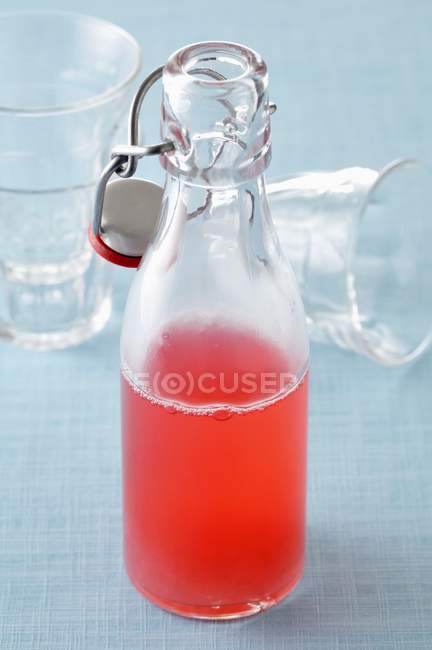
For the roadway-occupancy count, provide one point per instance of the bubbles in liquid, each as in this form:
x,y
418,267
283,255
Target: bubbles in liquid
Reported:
x,y
217,412
222,414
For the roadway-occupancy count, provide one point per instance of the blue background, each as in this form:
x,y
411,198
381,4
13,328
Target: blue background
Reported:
x,y
353,84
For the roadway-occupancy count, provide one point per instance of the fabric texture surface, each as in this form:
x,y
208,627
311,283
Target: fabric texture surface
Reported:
x,y
352,84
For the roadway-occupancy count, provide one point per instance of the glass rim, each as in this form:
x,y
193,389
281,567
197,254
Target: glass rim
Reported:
x,y
385,358
252,62
96,99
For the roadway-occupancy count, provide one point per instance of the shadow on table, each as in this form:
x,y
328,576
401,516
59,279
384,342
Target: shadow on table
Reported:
x,y
364,585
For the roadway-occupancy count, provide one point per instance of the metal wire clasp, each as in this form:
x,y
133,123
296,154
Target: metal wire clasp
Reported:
x,y
124,158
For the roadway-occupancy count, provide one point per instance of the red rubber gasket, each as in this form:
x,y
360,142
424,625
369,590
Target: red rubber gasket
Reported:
x,y
110,254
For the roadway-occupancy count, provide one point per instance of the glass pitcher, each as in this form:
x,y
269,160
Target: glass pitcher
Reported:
x,y
214,359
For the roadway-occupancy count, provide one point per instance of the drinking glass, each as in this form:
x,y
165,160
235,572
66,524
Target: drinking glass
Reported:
x,y
359,241
65,89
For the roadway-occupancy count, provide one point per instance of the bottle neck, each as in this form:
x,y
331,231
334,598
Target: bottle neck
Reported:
x,y
222,169
247,199
215,110
218,219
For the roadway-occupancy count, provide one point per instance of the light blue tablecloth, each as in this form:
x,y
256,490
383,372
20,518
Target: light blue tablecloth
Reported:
x,y
353,84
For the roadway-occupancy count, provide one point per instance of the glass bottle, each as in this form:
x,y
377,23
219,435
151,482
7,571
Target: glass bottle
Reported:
x,y
214,358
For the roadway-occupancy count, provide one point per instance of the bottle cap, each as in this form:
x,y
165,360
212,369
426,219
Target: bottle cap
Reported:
x,y
130,213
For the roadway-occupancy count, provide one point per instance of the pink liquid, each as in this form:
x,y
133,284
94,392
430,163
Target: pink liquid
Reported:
x,y
214,500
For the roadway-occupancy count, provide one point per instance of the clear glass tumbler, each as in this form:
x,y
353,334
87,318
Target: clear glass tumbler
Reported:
x,y
359,241
65,89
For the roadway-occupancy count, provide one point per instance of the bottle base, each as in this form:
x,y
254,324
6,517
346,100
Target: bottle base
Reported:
x,y
218,612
